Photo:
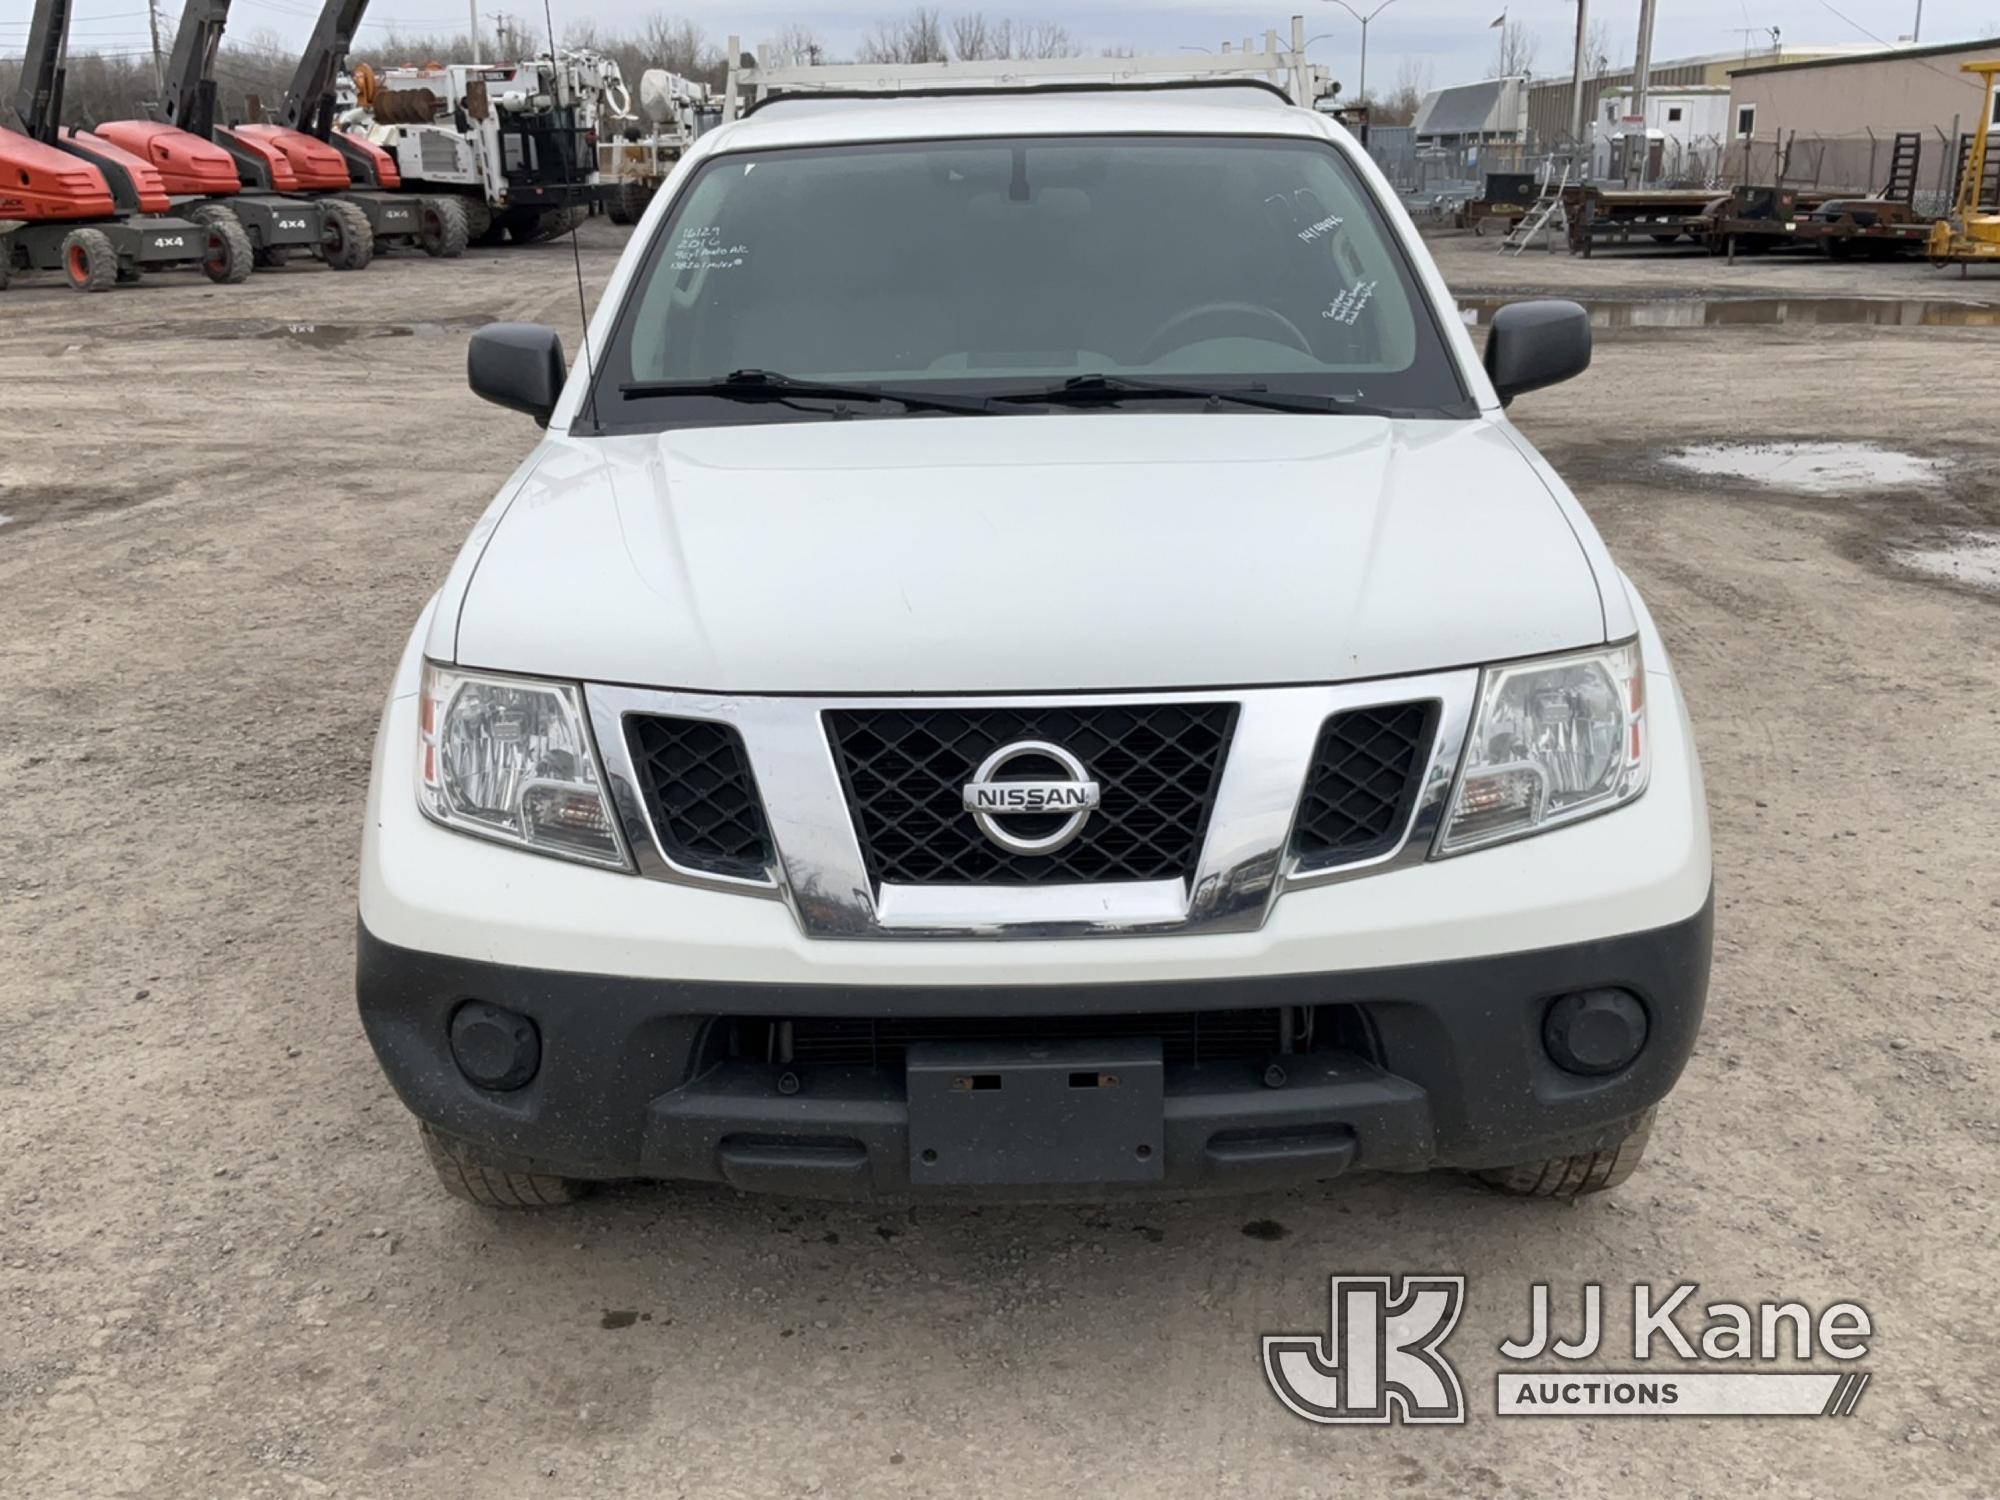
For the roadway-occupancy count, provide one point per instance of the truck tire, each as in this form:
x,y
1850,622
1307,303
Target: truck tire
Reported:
x,y
346,241
443,228
1574,1176
274,257
548,226
460,1173
626,202
90,264
228,258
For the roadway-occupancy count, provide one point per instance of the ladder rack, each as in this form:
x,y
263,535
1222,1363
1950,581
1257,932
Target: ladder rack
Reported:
x,y
1284,66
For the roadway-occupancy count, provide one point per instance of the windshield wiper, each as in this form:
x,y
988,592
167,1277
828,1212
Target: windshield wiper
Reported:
x,y
1083,390
767,385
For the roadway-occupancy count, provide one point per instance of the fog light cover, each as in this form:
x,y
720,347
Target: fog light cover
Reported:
x,y
1553,740
510,758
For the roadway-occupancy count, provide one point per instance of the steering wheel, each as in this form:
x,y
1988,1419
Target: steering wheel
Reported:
x,y
1171,334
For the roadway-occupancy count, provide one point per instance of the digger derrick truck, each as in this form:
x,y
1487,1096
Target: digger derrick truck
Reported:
x,y
209,174
75,202
514,145
632,164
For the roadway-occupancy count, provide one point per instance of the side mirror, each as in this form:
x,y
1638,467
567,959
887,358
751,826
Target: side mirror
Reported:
x,y
1533,344
518,366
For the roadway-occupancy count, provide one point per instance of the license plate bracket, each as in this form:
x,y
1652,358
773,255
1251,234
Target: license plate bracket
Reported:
x,y
1019,1114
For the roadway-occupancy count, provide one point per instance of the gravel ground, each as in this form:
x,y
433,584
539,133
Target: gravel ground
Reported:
x,y
225,1269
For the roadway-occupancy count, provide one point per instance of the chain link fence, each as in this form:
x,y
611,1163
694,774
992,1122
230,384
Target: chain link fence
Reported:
x,y
1857,164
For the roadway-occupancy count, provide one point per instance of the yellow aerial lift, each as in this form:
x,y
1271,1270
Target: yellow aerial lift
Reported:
x,y
1970,232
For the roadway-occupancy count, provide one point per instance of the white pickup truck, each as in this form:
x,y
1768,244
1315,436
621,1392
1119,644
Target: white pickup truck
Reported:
x,y
1030,660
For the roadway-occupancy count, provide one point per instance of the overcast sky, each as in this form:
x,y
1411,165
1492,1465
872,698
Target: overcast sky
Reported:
x,y
1451,35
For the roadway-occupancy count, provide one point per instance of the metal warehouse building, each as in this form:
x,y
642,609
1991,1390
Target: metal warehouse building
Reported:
x,y
1903,88
1548,103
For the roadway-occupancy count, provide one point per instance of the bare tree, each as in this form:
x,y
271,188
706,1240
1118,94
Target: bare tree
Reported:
x,y
1515,53
676,44
1044,39
1597,53
796,46
1399,105
972,37
917,38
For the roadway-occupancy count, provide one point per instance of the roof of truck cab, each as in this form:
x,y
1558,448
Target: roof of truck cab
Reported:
x,y
809,120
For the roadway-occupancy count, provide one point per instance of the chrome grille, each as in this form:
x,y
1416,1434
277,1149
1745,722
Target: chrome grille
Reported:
x,y
904,771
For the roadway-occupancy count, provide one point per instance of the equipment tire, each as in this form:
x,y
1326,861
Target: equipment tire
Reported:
x,y
346,240
461,1174
228,258
90,264
274,257
443,228
1573,1176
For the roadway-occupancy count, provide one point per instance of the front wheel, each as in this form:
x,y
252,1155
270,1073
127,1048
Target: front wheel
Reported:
x,y
1574,1176
443,228
90,263
346,241
227,259
460,1173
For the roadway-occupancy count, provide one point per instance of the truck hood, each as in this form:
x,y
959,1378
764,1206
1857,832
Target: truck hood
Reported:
x,y
1045,553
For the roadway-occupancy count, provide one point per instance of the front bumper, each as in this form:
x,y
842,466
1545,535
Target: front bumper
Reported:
x,y
1421,1066
1433,981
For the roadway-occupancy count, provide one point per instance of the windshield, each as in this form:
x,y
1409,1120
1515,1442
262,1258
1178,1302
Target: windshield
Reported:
x,y
1169,267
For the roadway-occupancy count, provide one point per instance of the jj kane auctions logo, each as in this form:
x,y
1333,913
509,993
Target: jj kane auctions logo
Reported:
x,y
1382,1358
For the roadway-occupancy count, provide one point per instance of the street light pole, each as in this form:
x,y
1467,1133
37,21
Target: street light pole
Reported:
x,y
1361,89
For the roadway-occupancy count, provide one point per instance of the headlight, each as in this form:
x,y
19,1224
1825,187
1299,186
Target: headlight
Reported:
x,y
510,758
1552,740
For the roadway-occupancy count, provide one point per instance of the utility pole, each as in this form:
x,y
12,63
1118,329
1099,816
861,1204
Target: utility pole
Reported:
x,y
1642,66
474,6
1576,87
1917,26
159,72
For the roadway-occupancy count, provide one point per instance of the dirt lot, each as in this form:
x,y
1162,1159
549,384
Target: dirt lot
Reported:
x,y
225,1269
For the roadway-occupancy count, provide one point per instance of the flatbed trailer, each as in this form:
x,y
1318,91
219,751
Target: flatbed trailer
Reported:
x,y
1617,216
1764,218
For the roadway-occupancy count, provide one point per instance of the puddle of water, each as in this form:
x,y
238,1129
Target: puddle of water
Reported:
x,y
1968,557
1733,312
1811,468
332,335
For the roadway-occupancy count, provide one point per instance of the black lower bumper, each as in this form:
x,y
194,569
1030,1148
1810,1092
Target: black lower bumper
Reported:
x,y
1430,1065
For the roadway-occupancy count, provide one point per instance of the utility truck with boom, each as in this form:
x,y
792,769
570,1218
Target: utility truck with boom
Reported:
x,y
512,145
